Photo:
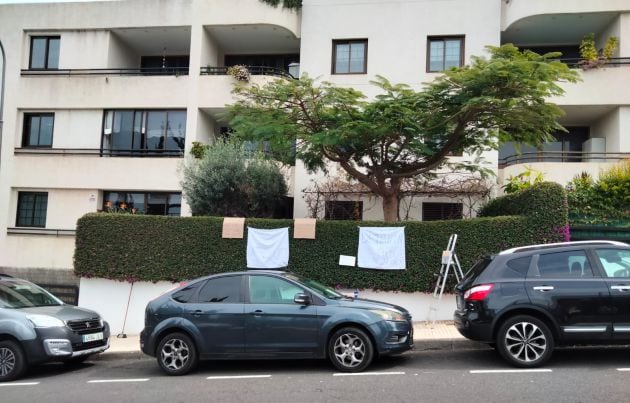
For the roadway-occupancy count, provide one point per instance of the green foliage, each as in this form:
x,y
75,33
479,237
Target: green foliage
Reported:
x,y
198,149
404,133
545,204
603,202
226,181
154,248
591,57
523,180
588,49
290,4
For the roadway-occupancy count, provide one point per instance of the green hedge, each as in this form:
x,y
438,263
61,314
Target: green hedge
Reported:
x,y
154,248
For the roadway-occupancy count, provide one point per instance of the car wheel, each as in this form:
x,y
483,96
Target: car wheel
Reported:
x,y
350,349
525,341
176,354
12,361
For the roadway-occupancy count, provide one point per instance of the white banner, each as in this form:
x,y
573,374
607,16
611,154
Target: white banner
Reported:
x,y
267,248
382,248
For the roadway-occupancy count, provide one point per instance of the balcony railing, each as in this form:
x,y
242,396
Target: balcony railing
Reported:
x,y
576,62
100,152
253,70
141,71
561,156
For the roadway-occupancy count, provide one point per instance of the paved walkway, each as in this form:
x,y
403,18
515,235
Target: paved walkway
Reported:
x,y
427,336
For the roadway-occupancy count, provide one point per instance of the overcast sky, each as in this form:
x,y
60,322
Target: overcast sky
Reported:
x,y
43,1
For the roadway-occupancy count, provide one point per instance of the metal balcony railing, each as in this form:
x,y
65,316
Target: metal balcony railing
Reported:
x,y
562,156
141,71
100,152
253,70
576,62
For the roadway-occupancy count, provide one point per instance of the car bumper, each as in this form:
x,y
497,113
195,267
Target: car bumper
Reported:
x,y
393,337
472,327
60,343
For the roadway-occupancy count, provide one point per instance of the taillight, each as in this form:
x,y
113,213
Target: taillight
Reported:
x,y
478,292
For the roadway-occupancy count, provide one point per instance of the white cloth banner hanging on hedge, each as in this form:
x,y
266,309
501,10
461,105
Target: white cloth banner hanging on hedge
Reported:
x,y
382,248
267,248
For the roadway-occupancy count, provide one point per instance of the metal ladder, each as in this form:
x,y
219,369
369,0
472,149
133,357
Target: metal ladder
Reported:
x,y
449,260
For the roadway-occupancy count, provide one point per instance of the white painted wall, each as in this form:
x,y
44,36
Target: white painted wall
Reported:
x,y
79,128
608,127
109,298
559,172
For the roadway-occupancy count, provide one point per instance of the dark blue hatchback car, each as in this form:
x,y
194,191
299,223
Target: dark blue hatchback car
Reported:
x,y
269,314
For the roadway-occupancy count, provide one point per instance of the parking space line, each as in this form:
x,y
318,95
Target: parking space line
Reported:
x,y
118,380
20,384
238,377
508,371
367,373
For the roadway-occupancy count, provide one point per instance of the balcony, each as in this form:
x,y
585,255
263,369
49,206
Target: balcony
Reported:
x,y
253,70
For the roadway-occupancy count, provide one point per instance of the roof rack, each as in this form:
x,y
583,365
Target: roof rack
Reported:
x,y
552,245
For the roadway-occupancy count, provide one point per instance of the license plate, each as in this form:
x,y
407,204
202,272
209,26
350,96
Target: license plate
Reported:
x,y
92,337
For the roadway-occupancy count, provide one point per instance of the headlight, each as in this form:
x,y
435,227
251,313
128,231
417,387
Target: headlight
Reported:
x,y
389,315
45,321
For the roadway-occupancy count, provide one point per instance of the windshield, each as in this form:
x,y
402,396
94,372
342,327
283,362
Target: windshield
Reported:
x,y
22,294
319,287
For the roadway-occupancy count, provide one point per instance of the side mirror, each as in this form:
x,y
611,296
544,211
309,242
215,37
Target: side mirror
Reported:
x,y
302,299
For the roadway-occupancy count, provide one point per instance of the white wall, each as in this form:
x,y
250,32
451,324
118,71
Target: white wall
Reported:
x,y
608,127
120,55
559,172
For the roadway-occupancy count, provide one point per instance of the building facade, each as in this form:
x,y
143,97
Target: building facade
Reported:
x,y
103,100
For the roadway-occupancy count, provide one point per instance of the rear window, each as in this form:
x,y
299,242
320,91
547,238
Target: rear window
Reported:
x,y
477,268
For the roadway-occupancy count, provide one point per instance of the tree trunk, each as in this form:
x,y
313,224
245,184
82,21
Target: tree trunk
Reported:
x,y
390,207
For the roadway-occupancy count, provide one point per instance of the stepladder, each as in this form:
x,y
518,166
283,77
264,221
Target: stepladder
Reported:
x,y
449,266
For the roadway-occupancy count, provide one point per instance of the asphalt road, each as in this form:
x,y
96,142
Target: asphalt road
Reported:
x,y
583,375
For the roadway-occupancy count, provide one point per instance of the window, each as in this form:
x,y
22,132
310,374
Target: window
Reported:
x,y
31,211
226,290
271,290
444,52
185,294
152,203
517,268
344,210
616,262
38,129
44,53
442,211
349,56
142,132
563,264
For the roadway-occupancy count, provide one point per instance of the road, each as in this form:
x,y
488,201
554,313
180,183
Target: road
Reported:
x,y
582,375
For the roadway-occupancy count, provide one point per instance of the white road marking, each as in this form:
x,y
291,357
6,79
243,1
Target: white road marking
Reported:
x,y
118,380
239,377
368,373
507,371
623,369
20,384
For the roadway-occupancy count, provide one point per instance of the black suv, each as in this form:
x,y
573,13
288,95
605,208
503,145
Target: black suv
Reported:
x,y
37,327
529,299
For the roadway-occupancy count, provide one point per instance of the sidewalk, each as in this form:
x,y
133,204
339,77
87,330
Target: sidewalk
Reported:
x,y
427,336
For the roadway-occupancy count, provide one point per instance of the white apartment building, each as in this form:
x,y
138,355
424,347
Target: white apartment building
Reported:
x,y
103,100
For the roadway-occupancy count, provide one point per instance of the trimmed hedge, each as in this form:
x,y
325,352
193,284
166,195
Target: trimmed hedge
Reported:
x,y
153,248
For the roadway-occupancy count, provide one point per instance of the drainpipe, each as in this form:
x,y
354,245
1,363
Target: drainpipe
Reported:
x,y
4,67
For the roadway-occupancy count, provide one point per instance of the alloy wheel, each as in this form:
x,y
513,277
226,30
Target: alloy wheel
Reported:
x,y
525,342
349,350
175,353
7,361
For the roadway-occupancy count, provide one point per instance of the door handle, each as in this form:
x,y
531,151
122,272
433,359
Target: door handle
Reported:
x,y
620,288
543,288
257,312
197,313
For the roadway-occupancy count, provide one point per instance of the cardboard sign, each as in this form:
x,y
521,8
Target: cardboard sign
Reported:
x,y
304,228
347,260
233,227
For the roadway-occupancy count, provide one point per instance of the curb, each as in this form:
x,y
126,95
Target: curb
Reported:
x,y
121,355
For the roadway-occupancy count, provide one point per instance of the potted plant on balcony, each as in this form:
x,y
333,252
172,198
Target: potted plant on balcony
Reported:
x,y
591,57
239,72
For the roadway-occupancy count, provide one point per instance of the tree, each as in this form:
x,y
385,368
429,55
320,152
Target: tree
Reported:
x,y
290,4
229,181
404,133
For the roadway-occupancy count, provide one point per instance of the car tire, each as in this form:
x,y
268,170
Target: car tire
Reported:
x,y
177,354
525,341
350,349
12,361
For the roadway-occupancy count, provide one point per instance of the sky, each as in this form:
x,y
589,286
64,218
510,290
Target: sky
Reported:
x,y
42,1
